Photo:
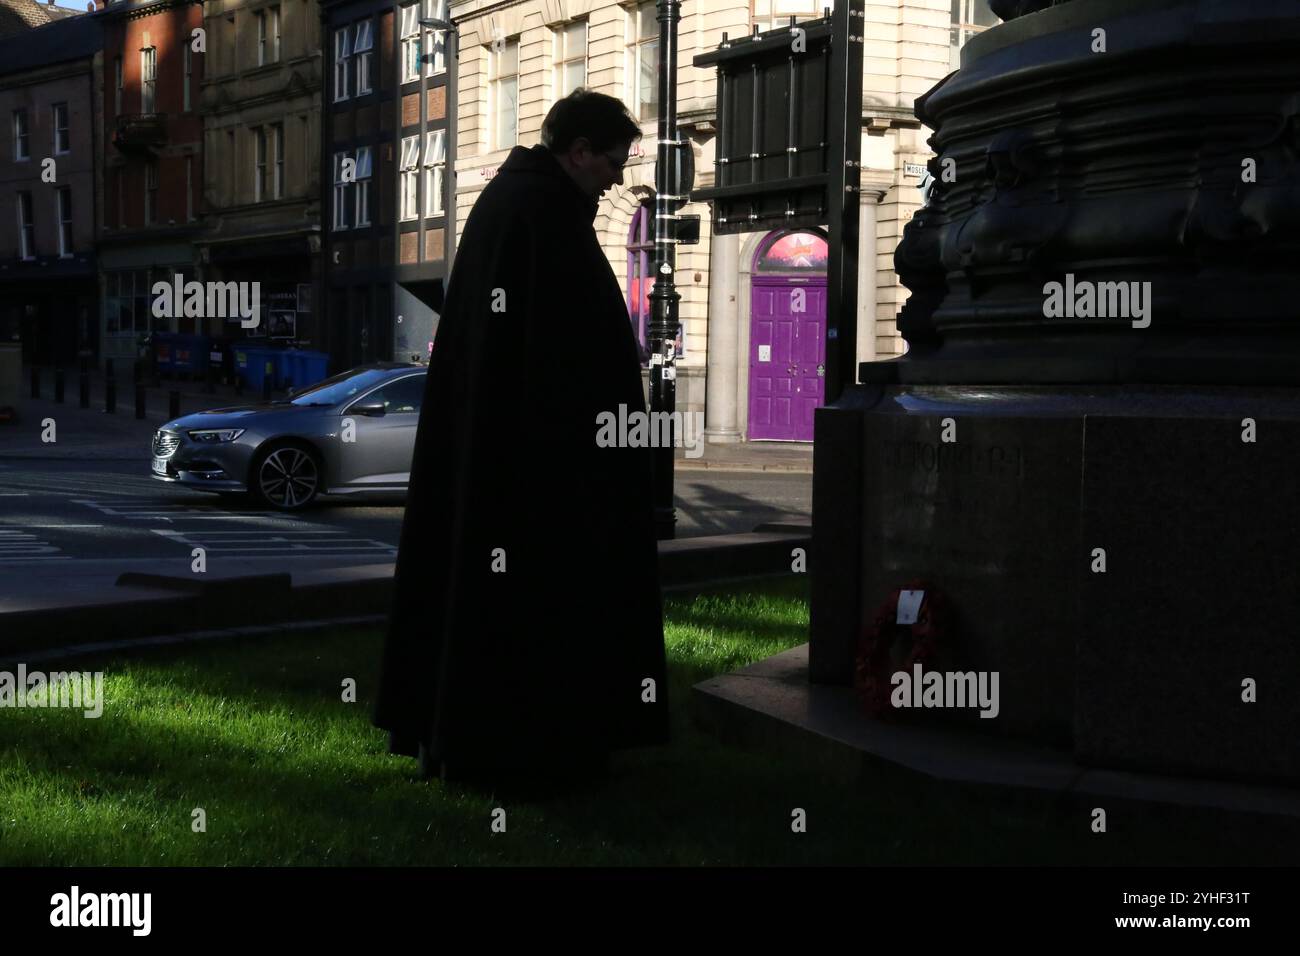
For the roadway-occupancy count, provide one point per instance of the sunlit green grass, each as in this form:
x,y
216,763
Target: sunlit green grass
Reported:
x,y
257,735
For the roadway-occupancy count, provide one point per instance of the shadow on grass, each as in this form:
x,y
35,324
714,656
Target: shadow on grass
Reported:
x,y
258,736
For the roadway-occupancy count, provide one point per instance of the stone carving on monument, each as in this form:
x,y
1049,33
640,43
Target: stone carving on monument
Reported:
x,y
1105,305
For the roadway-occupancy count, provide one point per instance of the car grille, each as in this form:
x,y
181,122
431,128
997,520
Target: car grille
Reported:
x,y
164,443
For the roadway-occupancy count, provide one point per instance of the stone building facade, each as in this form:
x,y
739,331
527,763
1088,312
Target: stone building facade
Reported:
x,y
261,108
517,57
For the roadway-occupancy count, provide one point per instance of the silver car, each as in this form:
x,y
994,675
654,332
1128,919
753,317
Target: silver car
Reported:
x,y
354,432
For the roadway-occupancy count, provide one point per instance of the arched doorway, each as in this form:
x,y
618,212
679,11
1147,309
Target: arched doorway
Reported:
x,y
787,338
640,279
640,252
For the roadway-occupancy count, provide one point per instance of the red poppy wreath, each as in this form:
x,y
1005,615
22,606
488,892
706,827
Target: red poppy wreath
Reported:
x,y
887,646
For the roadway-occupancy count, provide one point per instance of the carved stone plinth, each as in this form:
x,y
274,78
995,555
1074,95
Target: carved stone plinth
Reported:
x,y
1144,154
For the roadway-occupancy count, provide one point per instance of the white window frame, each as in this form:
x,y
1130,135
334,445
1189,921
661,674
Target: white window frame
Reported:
x,y
277,160
410,34
496,82
342,53
148,79
340,220
563,57
410,178
64,129
362,49
435,171
635,54
964,26
268,36
259,163
151,192
364,171
435,40
63,220
26,227
22,134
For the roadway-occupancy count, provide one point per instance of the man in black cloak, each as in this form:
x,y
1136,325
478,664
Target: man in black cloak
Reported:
x,y
527,630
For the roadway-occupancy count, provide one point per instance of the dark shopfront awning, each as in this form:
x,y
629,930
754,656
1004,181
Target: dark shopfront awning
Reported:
x,y
49,269
285,247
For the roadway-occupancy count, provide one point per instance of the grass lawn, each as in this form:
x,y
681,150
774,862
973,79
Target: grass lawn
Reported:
x,y
256,734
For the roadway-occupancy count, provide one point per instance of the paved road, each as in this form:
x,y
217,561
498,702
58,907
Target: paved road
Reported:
x,y
72,525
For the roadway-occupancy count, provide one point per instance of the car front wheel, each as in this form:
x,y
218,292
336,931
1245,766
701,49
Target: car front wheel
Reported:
x,y
286,477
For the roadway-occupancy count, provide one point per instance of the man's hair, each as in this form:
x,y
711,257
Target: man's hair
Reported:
x,y
585,114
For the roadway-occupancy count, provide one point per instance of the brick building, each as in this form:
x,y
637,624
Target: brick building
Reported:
x,y
49,159
151,196
384,147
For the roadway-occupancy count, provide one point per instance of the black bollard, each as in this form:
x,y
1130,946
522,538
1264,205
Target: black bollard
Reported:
x,y
266,382
173,404
108,369
139,399
58,384
210,382
136,371
110,395
36,382
84,386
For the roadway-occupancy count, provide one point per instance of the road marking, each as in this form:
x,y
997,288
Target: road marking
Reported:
x,y
329,541
63,526
166,512
18,545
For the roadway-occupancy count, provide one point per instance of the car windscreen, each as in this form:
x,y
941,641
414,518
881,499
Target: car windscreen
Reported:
x,y
340,388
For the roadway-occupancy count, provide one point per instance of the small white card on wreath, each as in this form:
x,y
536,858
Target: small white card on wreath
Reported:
x,y
909,605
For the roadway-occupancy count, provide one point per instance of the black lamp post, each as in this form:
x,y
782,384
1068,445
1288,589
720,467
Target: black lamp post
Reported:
x,y
664,297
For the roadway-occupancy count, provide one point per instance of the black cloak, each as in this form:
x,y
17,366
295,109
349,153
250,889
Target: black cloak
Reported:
x,y
541,664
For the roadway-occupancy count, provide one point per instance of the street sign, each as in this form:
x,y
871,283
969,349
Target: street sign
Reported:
x,y
688,230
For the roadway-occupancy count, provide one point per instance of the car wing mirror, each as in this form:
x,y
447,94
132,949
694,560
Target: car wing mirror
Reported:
x,y
369,409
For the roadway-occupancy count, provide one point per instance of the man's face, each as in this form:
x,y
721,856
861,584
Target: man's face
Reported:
x,y
595,172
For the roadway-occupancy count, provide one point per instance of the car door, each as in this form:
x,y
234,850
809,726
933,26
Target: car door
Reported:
x,y
382,447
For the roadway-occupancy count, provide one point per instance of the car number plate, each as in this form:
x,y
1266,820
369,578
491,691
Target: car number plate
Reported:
x,y
160,466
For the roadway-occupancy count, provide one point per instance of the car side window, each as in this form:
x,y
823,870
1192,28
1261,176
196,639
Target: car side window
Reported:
x,y
402,396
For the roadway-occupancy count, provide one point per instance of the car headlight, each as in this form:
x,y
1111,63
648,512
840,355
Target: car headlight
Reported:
x,y
208,435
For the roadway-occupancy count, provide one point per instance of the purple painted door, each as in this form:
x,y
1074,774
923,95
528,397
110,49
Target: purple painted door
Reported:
x,y
787,358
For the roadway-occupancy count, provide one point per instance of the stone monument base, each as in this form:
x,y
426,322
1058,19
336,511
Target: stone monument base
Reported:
x,y
1008,499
